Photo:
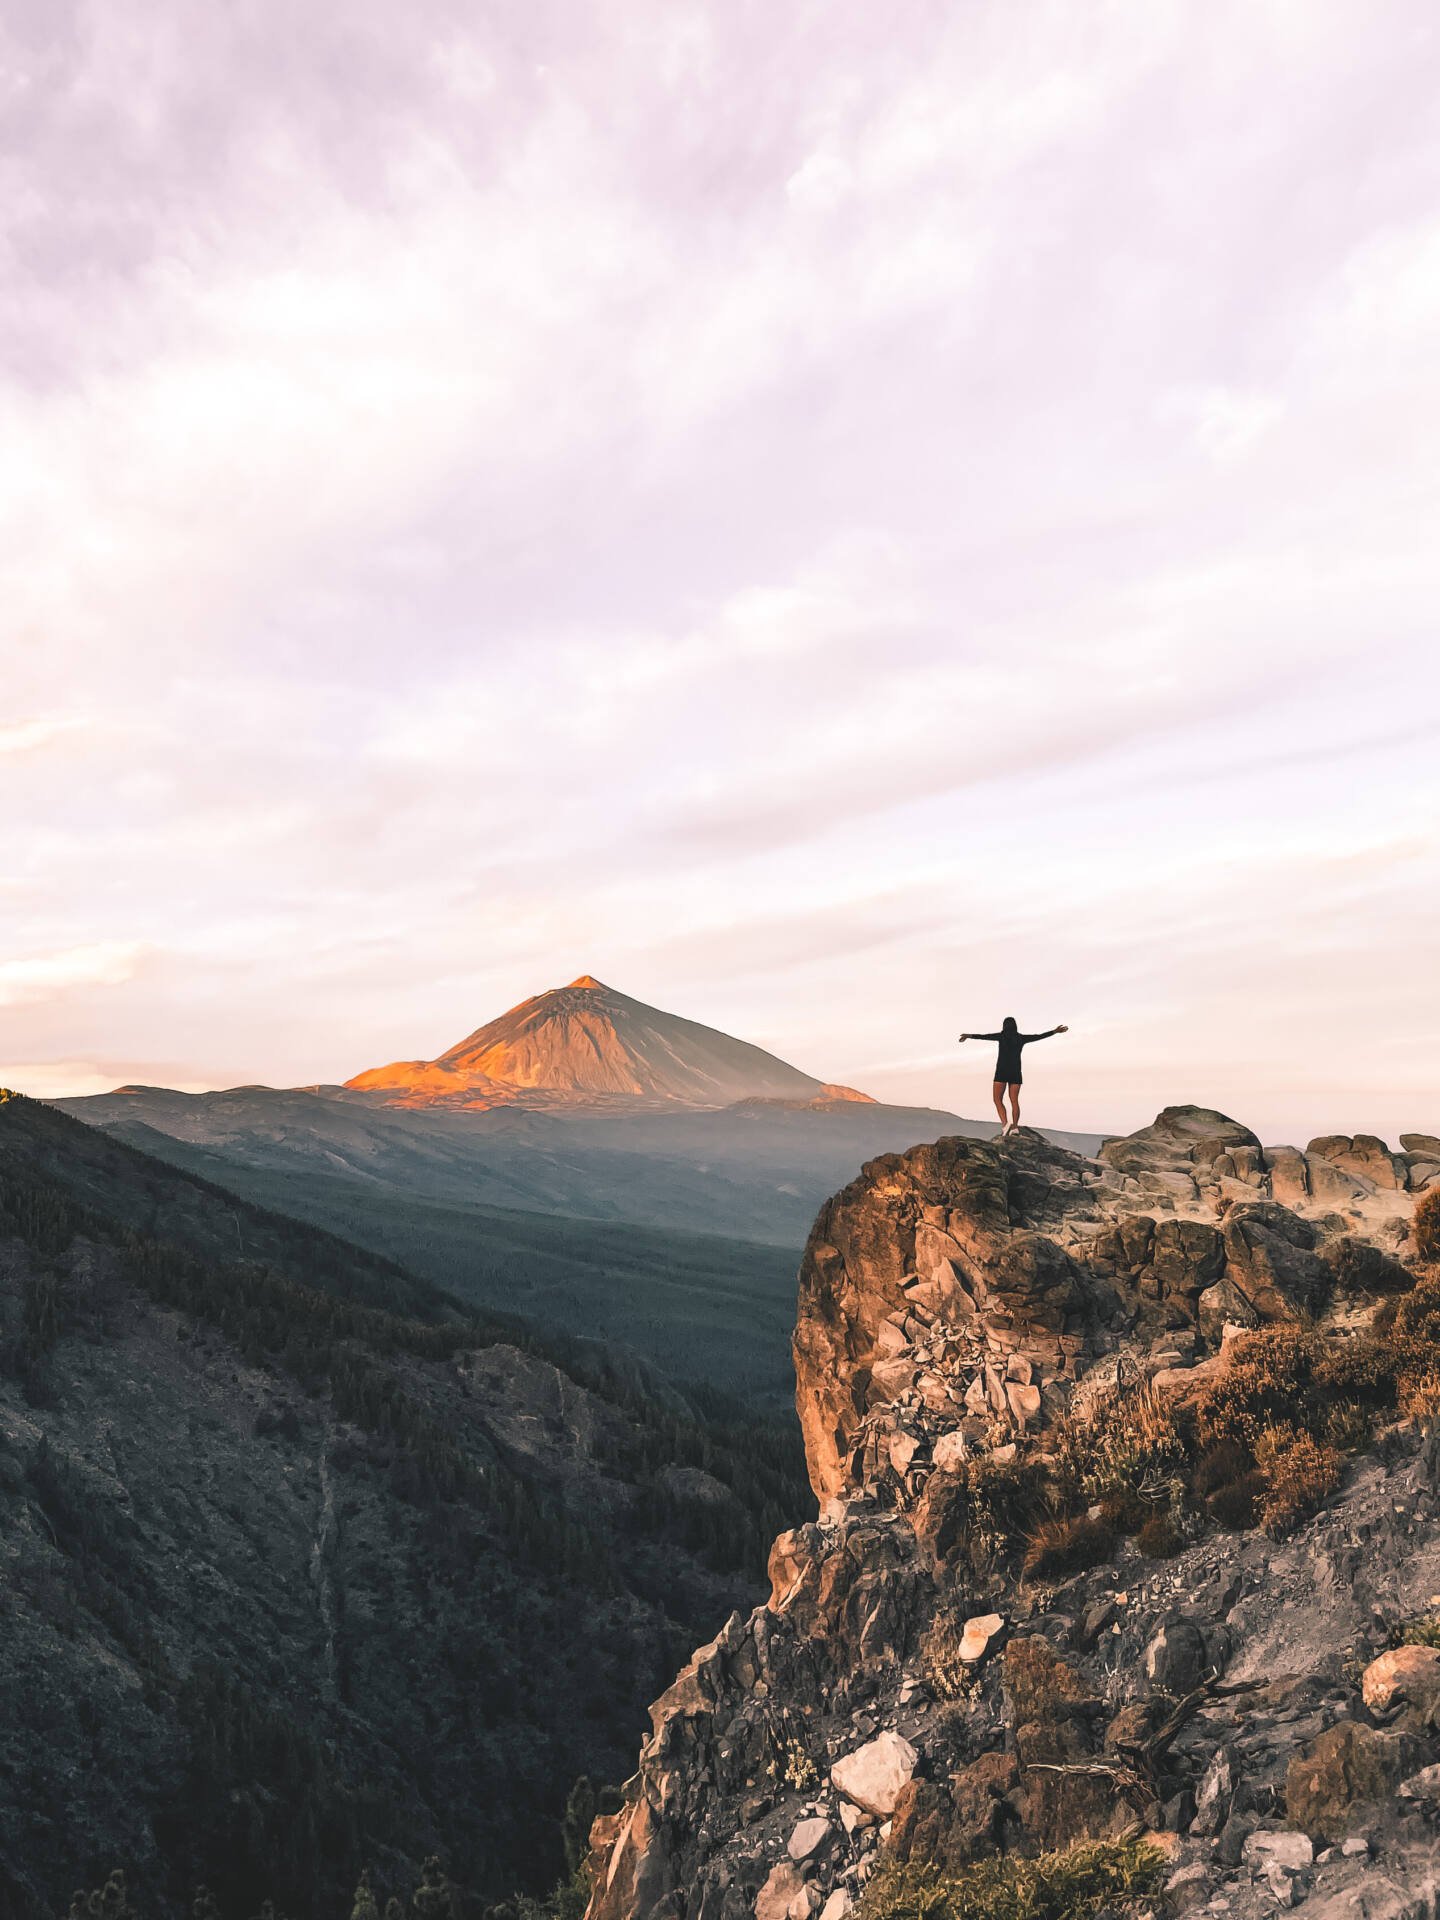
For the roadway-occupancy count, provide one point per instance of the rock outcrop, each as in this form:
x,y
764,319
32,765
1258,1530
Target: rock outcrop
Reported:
x,y
972,1317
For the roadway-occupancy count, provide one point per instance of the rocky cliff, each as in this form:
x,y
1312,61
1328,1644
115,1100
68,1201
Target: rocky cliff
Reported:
x,y
1126,1501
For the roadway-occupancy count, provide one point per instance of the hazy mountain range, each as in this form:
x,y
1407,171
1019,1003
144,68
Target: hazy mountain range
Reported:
x,y
589,1161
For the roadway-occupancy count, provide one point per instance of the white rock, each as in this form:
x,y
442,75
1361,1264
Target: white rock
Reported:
x,y
1424,1785
873,1775
838,1905
1358,1844
949,1451
1268,1847
780,1893
854,1818
980,1630
808,1838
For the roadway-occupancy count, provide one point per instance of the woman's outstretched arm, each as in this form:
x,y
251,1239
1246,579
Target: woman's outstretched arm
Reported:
x,y
1047,1035
980,1036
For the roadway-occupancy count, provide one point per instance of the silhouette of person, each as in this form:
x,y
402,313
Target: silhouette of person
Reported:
x,y
1007,1066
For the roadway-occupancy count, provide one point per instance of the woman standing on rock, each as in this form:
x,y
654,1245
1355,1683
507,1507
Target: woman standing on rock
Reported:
x,y
1007,1066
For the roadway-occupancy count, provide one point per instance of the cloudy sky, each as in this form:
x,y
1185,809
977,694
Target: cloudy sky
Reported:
x,y
845,522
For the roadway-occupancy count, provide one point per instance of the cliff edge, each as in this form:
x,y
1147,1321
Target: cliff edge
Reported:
x,y
1127,1498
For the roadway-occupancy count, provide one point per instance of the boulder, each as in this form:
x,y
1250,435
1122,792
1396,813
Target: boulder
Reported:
x,y
1270,1255
810,1838
1289,1175
1186,1257
1362,1155
1425,1146
947,1825
980,1634
784,1895
1216,1792
1268,1847
1404,1674
1177,1658
838,1905
1341,1776
1224,1305
1178,1138
950,1451
873,1775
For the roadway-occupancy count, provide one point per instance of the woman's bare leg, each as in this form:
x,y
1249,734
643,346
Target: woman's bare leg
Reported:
x,y
999,1091
1014,1106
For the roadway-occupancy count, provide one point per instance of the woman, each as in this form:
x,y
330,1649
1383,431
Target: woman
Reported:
x,y
1007,1067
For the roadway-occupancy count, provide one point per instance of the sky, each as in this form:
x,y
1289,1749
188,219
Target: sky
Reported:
x,y
843,522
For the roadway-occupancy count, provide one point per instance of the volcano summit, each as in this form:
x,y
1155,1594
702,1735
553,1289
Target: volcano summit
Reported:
x,y
586,1043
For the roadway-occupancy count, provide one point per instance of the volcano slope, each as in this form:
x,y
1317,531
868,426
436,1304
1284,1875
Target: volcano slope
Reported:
x,y
302,1567
1126,1559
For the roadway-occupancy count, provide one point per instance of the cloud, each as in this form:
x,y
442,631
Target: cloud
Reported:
x,y
102,963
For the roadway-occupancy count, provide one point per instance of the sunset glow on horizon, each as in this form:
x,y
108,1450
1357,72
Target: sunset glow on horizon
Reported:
x,y
844,525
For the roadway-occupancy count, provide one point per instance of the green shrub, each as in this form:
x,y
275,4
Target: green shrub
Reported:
x,y
1422,1631
1073,1885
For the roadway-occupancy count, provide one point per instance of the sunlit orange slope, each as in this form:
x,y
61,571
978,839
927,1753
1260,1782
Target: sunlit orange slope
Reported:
x,y
586,1043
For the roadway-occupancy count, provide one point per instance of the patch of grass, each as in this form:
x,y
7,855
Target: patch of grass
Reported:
x,y
1421,1631
1073,1885
947,1675
1068,1546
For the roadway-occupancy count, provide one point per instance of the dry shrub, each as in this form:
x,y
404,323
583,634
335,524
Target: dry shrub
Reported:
x,y
1160,1538
1221,1463
1427,1225
1068,1546
1125,1511
1358,1267
1128,1451
1268,1383
1300,1472
1236,1505
1419,1393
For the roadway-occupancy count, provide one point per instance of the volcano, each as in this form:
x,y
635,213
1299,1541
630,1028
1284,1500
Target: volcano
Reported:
x,y
587,1044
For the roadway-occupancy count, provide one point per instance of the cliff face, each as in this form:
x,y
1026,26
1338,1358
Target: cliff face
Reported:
x,y
1045,1401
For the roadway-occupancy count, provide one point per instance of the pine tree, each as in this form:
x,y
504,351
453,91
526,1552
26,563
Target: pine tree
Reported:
x,y
366,1906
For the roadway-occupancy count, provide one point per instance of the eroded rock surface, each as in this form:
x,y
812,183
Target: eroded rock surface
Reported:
x,y
901,1698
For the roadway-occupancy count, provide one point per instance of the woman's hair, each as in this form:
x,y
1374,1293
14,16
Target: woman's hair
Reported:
x,y
1007,1025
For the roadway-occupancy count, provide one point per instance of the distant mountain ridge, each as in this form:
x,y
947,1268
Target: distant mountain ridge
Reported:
x,y
587,1043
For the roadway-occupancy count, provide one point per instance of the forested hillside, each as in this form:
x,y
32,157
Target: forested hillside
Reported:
x,y
295,1583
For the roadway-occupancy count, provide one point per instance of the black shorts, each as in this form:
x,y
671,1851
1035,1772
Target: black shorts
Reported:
x,y
1015,1082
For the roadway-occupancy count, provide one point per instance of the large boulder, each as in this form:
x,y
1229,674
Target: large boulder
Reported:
x,y
1180,1140
1342,1775
873,1775
1270,1257
1405,1675
1363,1155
